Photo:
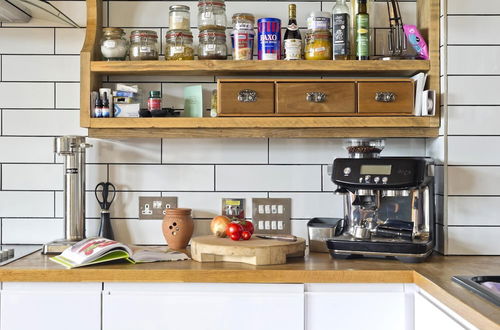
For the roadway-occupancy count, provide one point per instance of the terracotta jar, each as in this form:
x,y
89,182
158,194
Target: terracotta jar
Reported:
x,y
177,228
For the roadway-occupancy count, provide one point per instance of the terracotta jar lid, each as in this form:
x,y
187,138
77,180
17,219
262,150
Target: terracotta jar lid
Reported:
x,y
178,211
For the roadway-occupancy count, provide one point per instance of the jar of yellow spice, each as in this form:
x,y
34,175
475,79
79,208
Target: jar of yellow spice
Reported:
x,y
318,45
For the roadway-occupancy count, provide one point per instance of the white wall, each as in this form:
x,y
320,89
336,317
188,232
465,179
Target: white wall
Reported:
x,y
39,99
471,78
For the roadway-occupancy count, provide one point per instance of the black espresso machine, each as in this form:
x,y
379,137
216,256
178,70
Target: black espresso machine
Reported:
x,y
388,204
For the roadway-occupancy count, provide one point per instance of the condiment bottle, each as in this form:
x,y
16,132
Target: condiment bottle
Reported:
x,y
154,100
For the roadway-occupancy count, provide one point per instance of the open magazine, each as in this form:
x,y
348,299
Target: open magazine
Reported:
x,y
97,250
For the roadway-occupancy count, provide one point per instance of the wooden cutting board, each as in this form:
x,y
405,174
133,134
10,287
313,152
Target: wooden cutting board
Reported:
x,y
255,251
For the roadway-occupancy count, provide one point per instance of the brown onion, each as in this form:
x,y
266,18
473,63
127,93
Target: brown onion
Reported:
x,y
218,225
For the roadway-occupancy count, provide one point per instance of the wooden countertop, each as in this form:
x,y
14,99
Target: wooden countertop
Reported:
x,y
434,276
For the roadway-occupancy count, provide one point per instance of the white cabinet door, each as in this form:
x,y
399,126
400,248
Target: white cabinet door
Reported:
x,y
50,306
429,316
203,306
358,307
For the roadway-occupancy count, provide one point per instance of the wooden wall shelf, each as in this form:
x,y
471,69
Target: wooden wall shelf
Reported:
x,y
221,67
92,72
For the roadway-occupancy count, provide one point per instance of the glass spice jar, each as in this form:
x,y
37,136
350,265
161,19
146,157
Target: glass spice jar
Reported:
x,y
143,45
179,17
243,21
179,45
212,45
212,15
318,45
114,45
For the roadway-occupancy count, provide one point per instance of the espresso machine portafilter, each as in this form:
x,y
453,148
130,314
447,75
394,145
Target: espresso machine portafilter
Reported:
x,y
72,148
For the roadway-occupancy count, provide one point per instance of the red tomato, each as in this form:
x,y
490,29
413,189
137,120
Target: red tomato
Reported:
x,y
247,226
236,236
233,228
246,235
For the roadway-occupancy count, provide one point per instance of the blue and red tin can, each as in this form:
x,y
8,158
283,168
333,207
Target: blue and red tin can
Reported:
x,y
269,38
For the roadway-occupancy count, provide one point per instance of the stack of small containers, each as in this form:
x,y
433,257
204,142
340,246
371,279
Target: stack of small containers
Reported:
x,y
212,23
179,39
243,35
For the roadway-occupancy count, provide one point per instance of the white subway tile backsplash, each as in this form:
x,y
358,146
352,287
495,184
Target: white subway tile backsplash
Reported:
x,y
68,95
473,90
305,151
467,7
34,41
473,240
473,180
485,60
126,204
42,122
26,204
268,177
473,30
215,151
26,150
31,231
310,205
473,120
32,177
435,149
162,177
69,41
95,174
75,10
404,147
473,150
124,151
472,211
40,68
139,232
13,95
209,204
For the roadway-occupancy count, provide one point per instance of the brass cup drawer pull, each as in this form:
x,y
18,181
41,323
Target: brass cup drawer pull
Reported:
x,y
247,95
316,97
385,97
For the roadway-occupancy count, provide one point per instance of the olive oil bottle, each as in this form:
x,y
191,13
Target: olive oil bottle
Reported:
x,y
362,32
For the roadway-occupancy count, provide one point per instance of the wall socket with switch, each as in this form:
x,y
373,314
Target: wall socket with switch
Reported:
x,y
272,215
153,208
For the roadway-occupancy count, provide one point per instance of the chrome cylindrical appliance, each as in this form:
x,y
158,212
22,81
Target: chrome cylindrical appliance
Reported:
x,y
72,149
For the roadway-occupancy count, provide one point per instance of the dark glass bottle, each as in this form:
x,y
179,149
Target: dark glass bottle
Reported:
x,y
341,30
362,32
292,41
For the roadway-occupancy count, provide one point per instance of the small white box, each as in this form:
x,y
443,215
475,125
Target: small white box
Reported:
x,y
127,110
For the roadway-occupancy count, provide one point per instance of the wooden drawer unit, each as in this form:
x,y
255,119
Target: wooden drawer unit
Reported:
x,y
381,97
245,98
315,98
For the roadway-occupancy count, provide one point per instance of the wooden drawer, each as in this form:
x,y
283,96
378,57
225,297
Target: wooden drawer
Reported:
x,y
306,98
235,98
386,97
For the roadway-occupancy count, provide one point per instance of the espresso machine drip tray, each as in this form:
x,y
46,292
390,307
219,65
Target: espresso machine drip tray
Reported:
x,y
411,252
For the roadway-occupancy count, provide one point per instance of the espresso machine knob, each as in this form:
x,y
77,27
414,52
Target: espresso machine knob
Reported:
x,y
384,180
367,178
347,171
376,179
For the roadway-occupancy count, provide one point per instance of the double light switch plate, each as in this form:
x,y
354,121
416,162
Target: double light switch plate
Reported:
x,y
153,208
272,215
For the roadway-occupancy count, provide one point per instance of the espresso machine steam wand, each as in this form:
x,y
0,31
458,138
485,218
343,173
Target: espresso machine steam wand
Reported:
x,y
72,148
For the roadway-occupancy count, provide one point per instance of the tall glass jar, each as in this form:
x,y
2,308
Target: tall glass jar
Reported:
x,y
179,17
179,45
212,45
318,45
114,45
143,45
212,15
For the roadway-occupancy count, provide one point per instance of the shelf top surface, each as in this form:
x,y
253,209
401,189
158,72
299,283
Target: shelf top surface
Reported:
x,y
216,67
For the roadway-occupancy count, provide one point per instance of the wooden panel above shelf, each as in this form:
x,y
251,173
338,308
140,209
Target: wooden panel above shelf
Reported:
x,y
220,67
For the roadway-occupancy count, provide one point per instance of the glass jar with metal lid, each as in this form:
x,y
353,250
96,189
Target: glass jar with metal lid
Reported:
x,y
179,17
212,45
243,21
114,45
318,45
143,45
212,15
179,45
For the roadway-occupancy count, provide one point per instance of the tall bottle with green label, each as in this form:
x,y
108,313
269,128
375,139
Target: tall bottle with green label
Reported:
x,y
362,32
